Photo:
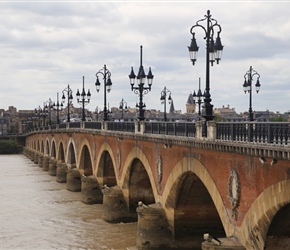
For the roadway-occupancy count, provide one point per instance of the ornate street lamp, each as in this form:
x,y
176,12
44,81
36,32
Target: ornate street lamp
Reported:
x,y
57,107
47,107
198,98
83,100
164,93
213,53
68,91
107,87
123,105
248,88
140,89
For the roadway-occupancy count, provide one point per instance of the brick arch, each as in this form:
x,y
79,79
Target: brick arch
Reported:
x,y
71,152
53,148
190,164
60,151
42,147
46,147
85,143
136,153
256,222
105,147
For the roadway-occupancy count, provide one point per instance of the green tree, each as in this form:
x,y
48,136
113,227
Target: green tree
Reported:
x,y
9,147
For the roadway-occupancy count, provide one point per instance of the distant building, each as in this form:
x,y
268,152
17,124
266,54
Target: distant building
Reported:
x,y
190,105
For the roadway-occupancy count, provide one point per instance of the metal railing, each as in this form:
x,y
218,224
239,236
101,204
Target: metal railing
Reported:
x,y
171,128
121,126
259,132
256,132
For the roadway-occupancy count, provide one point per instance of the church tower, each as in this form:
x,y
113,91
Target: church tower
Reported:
x,y
190,105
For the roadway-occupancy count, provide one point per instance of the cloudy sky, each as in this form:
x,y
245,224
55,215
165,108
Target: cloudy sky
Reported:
x,y
47,45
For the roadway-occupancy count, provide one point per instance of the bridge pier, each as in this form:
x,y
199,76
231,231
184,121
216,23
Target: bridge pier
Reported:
x,y
40,160
61,171
115,209
230,243
45,163
35,157
91,192
152,227
73,179
52,166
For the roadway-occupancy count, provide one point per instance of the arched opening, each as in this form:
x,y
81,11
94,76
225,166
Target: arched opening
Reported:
x,y
278,235
140,188
195,213
71,155
42,147
85,161
47,148
61,153
106,170
53,151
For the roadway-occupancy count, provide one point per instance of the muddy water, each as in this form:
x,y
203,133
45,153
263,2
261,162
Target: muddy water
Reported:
x,y
36,212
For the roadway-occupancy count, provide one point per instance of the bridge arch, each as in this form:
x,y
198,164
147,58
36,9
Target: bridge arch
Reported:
x,y
60,153
53,149
105,169
46,149
137,173
190,178
71,154
259,217
85,164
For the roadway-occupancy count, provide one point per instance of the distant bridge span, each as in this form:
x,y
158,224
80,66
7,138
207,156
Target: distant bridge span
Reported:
x,y
235,190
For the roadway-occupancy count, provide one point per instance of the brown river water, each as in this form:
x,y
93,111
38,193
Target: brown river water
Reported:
x,y
36,212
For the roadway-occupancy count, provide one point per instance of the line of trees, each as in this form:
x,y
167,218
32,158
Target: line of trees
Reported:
x,y
9,147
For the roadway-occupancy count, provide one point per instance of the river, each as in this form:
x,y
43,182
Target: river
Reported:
x,y
39,213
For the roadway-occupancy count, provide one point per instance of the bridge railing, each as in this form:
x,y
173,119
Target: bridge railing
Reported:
x,y
187,129
259,132
121,126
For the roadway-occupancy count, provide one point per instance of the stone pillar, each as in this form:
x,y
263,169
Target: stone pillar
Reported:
x,y
152,228
45,163
40,160
211,130
73,180
61,170
198,126
35,158
91,192
115,209
52,166
139,127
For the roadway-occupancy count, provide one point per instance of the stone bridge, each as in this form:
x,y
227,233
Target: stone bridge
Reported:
x,y
177,188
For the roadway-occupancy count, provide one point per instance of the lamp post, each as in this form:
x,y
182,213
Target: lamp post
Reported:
x,y
248,88
97,113
47,107
198,98
164,93
213,53
141,89
83,100
107,86
122,107
68,91
57,107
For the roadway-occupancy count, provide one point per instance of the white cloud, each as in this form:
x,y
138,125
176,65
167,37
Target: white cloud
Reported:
x,y
44,46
